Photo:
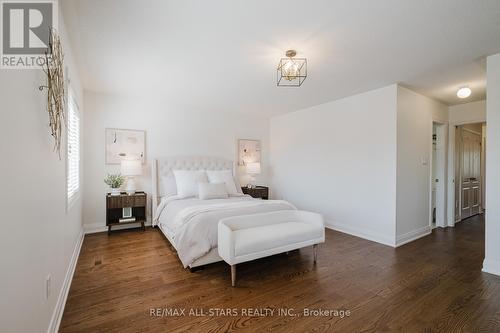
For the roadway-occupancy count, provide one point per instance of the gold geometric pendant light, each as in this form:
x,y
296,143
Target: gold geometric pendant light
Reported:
x,y
291,71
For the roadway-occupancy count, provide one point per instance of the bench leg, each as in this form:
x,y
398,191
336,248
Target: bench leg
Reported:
x,y
233,275
315,252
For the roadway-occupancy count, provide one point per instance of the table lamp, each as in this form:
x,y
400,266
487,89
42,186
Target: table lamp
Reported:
x,y
131,168
253,168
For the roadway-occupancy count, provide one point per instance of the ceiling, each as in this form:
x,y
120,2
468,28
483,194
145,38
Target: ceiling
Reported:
x,y
222,54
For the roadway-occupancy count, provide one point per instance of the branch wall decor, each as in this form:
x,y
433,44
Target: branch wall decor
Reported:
x,y
56,95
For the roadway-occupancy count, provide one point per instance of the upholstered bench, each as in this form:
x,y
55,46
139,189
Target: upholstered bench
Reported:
x,y
249,237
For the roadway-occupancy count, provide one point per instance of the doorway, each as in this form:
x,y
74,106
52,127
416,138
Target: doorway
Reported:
x,y
469,170
438,176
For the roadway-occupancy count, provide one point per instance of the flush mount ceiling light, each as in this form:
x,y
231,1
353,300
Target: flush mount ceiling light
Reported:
x,y
291,71
464,92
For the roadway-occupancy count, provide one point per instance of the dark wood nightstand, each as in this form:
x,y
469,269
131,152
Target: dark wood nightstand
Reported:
x,y
116,203
257,192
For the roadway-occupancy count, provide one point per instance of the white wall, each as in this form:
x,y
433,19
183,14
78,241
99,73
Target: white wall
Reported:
x,y
38,236
474,112
415,114
364,162
492,256
170,130
483,164
339,159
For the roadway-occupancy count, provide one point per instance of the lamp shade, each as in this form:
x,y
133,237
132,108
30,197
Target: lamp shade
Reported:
x,y
131,167
253,168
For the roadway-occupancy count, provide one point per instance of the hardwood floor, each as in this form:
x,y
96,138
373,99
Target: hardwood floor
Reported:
x,y
434,284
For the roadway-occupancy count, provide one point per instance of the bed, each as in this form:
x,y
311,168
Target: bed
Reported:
x,y
190,224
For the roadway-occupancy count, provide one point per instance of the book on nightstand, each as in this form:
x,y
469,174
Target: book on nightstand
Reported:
x,y
126,219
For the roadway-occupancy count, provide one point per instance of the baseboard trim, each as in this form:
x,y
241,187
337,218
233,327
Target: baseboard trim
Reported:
x,y
55,321
94,228
491,266
361,233
413,235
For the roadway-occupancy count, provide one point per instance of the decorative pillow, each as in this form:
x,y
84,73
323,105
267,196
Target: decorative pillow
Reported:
x,y
212,191
169,185
187,182
223,176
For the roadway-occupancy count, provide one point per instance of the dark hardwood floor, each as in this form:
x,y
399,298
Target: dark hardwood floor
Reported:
x,y
434,284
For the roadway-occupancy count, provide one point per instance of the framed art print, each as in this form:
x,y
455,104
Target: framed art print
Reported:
x,y
125,143
248,151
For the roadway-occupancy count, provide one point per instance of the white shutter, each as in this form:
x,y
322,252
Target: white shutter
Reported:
x,y
73,149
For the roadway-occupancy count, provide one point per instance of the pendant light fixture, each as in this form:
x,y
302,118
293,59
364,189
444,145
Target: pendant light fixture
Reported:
x,y
291,71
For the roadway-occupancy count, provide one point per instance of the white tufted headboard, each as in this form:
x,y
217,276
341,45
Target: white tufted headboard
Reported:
x,y
163,167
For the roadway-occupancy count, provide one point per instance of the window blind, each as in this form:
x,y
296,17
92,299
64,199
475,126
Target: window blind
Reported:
x,y
73,149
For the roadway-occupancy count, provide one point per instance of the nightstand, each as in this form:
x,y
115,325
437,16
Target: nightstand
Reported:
x,y
257,192
116,203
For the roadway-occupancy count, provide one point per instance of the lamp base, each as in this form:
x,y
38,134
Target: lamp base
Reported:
x,y
251,183
130,186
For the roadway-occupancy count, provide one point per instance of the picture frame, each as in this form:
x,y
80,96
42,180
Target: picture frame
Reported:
x,y
121,143
127,212
249,151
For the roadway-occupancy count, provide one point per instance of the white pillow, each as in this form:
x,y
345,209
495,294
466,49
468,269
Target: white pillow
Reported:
x,y
212,191
187,182
169,185
223,176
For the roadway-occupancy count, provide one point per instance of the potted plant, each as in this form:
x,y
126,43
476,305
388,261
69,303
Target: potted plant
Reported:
x,y
115,182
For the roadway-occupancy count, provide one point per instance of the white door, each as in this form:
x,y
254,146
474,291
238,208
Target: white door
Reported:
x,y
439,174
470,174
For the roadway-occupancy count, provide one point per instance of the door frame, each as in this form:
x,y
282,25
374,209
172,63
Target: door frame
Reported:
x,y
441,191
451,166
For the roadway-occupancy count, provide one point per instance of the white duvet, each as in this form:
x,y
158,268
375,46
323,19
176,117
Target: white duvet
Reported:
x,y
193,222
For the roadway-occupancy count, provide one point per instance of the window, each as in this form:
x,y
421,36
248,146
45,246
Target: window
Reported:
x,y
73,150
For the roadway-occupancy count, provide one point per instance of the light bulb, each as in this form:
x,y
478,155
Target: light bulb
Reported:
x,y
290,70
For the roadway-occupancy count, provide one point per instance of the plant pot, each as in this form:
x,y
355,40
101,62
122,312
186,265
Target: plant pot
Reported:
x,y
115,191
